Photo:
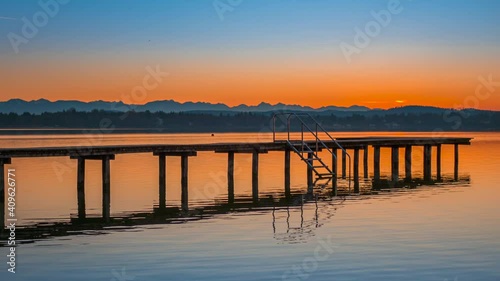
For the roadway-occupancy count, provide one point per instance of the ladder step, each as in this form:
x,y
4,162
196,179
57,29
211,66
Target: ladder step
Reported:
x,y
326,167
312,159
322,175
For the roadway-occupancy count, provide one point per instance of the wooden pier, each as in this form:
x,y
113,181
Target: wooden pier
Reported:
x,y
106,154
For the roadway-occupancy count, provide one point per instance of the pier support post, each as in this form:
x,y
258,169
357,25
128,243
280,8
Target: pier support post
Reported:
x,y
106,188
395,164
376,164
80,188
230,177
438,162
408,149
334,170
310,170
184,173
456,163
427,162
184,182
344,156
287,173
162,159
3,161
106,183
356,170
365,162
255,177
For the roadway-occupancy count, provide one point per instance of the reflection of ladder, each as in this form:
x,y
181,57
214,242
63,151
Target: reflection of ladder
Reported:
x,y
308,150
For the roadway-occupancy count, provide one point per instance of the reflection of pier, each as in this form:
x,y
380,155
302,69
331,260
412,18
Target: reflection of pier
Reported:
x,y
107,153
304,230
310,211
96,225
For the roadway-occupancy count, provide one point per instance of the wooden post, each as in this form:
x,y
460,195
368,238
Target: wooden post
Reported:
x,y
344,156
365,162
334,170
3,161
162,181
106,188
309,170
184,182
255,177
395,164
427,162
408,149
456,163
230,177
438,162
80,188
356,170
287,173
376,164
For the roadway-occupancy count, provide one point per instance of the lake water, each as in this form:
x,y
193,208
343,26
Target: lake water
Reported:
x,y
436,232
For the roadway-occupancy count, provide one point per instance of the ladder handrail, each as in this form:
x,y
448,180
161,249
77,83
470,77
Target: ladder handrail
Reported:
x,y
318,140
309,129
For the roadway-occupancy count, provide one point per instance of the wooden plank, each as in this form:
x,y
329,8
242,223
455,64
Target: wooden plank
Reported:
x,y
95,157
242,150
176,153
92,151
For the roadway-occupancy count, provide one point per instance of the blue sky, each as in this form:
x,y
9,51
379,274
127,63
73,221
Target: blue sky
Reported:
x,y
253,23
302,35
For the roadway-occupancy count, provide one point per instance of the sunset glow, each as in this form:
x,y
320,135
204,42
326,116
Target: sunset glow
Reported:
x,y
261,51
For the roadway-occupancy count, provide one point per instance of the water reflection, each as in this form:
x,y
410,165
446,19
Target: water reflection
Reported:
x,y
314,208
324,205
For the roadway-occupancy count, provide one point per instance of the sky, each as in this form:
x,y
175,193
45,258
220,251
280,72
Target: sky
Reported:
x,y
375,53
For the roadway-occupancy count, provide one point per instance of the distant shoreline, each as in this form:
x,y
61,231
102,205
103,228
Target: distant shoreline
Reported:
x,y
74,122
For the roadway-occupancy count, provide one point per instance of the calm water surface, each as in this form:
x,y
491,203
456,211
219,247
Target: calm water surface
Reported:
x,y
438,232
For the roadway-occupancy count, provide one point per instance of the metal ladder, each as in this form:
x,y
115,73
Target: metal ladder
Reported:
x,y
308,149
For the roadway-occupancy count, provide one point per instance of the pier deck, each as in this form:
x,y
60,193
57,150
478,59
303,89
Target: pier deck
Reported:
x,y
348,143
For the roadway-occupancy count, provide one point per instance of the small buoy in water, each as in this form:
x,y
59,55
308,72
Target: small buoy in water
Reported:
x,y
213,135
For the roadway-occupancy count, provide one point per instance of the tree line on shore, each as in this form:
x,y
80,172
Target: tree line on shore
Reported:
x,y
249,121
